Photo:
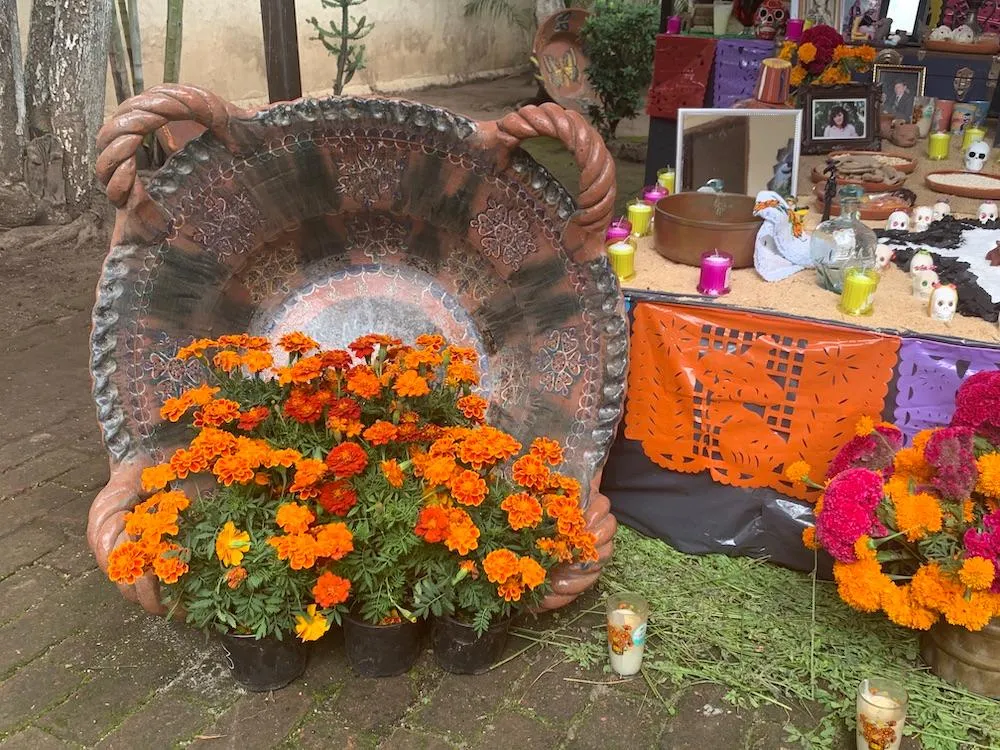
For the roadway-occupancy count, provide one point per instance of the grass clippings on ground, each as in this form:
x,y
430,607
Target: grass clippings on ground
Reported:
x,y
770,636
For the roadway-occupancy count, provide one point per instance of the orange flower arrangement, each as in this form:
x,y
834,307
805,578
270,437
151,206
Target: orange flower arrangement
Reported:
x,y
823,59
915,532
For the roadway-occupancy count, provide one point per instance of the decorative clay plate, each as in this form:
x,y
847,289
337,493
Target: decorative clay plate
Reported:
x,y
561,65
965,184
345,216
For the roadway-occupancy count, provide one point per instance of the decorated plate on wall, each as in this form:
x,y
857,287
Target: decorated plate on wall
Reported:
x,y
560,63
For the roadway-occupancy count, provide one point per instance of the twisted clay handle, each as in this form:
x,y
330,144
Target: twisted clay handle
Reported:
x,y
596,200
141,115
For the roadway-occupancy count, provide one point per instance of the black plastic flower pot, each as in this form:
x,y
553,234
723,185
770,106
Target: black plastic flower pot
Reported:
x,y
459,650
381,650
264,664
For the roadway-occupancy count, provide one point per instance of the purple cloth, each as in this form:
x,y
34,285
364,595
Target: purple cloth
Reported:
x,y
737,62
929,375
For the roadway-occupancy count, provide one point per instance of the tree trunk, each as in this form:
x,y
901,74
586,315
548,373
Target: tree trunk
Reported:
x,y
36,66
12,115
172,42
78,76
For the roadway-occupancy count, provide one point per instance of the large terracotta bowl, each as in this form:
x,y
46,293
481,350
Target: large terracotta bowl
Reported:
x,y
344,216
689,224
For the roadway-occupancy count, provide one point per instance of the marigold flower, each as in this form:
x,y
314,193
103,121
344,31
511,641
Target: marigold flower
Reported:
x,y
337,497
463,534
235,576
227,360
300,550
468,488
807,52
557,548
285,457
336,359
212,442
864,426
797,471
917,514
238,340
200,395
294,518
432,341
547,450
233,469
195,349
169,568
977,573
347,460
297,342
185,462
458,373
432,523
910,462
392,472
363,346
523,511
217,413
511,590
381,433
126,563
499,565
532,574
157,477
170,502
861,584
311,626
809,538
469,566
231,544
331,590
411,385
530,472
252,419
902,609
333,540
863,548
305,370
415,358
303,406
439,470
464,354
989,475
797,75
973,612
473,407
174,408
933,589
257,361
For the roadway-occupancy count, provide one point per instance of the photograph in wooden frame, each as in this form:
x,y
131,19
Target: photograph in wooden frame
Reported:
x,y
837,118
900,86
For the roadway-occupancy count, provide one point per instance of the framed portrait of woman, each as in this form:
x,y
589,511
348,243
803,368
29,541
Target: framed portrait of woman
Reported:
x,y
841,117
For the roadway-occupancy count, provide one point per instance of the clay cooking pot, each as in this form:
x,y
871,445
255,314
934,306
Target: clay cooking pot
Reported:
x,y
689,224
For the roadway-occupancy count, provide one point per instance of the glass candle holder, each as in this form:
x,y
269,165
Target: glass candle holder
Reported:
x,y
938,145
619,229
652,193
941,122
881,714
640,214
627,614
716,268
923,114
858,296
667,179
674,25
721,11
621,254
793,31
973,133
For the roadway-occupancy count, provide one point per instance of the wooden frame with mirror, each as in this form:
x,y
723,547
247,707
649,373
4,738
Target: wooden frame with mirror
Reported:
x,y
749,150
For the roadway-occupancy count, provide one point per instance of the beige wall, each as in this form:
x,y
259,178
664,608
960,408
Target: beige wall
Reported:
x,y
415,43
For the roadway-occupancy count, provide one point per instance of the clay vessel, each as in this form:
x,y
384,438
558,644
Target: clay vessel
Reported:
x,y
345,216
964,658
689,224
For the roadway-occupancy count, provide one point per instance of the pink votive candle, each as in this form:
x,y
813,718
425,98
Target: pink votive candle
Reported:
x,y
674,25
793,31
652,193
618,230
715,270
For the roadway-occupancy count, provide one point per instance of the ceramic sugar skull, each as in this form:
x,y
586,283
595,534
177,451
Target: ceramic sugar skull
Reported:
x,y
922,218
923,283
963,34
770,19
976,155
899,221
941,34
921,261
943,302
940,209
883,256
987,212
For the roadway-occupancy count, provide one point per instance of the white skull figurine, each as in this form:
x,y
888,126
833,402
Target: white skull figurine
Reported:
x,y
941,34
898,220
975,157
940,210
921,261
963,34
944,300
883,256
922,218
987,212
923,283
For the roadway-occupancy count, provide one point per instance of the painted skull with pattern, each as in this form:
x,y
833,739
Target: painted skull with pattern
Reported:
x,y
987,212
770,19
943,302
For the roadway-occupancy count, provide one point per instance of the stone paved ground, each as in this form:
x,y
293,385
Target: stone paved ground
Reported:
x,y
82,667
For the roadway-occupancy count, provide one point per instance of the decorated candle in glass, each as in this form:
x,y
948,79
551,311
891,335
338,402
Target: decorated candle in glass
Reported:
x,y
640,214
793,31
972,134
938,145
858,296
652,193
619,229
622,256
666,178
716,267
881,714
627,615
674,25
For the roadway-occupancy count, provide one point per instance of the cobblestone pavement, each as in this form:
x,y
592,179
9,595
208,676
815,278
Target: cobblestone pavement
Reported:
x,y
82,667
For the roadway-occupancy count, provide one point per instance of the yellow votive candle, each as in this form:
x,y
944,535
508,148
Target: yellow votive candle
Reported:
x,y
938,145
667,178
859,291
622,257
973,134
640,214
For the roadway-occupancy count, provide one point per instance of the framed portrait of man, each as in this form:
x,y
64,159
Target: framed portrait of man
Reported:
x,y
900,85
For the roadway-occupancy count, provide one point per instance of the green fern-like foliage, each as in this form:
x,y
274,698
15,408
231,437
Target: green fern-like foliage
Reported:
x,y
340,40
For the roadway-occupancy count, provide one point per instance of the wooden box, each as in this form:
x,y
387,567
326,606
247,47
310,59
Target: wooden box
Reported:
x,y
959,77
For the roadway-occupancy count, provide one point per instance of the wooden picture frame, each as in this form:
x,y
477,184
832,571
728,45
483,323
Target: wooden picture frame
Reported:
x,y
912,76
854,128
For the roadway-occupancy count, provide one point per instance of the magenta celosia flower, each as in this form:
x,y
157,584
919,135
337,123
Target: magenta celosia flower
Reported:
x,y
874,451
977,405
849,505
950,452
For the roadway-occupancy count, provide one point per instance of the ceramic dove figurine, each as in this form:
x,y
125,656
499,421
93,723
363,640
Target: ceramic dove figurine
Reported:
x,y
782,246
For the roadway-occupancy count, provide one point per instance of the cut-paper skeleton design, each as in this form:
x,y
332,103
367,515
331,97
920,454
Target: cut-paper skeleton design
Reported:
x,y
976,155
922,218
883,256
943,302
898,220
987,212
940,210
923,283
